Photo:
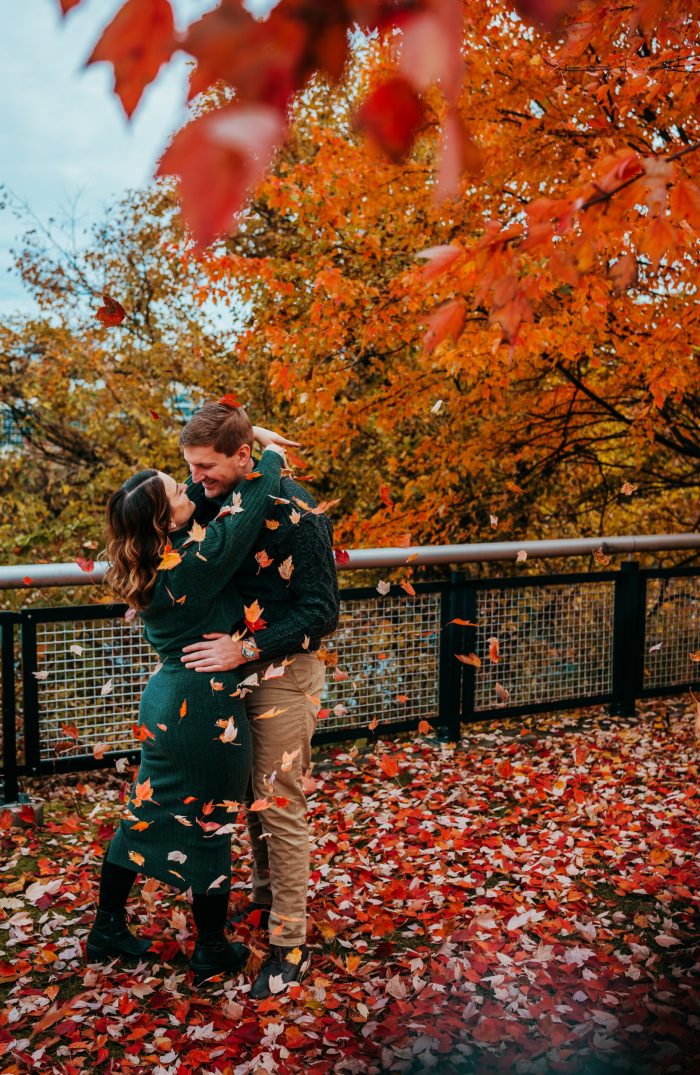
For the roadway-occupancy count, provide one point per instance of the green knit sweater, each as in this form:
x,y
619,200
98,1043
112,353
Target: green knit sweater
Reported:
x,y
306,604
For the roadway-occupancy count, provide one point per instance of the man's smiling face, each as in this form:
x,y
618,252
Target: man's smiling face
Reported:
x,y
217,472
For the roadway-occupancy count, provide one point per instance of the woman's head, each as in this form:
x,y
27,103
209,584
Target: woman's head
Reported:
x,y
139,517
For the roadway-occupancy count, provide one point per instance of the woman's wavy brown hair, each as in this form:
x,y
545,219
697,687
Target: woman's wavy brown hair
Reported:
x,y
138,519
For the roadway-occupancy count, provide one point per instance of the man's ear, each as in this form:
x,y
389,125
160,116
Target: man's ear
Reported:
x,y
243,455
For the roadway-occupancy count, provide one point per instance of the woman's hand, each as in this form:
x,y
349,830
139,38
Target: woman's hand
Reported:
x,y
268,436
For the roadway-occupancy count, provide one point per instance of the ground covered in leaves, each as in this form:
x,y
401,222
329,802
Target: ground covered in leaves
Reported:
x,y
526,901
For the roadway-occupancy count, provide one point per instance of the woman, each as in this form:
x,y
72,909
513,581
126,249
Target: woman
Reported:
x,y
196,743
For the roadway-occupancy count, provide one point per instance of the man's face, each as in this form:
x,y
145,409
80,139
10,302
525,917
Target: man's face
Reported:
x,y
218,473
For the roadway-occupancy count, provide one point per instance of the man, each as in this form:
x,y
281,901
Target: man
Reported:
x,y
290,589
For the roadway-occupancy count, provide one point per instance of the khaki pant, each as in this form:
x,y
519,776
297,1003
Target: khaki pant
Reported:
x,y
279,835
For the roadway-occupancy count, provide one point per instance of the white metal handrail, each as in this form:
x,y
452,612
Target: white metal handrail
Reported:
x,y
26,576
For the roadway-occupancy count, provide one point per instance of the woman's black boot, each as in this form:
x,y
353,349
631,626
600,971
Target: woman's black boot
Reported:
x,y
110,937
213,954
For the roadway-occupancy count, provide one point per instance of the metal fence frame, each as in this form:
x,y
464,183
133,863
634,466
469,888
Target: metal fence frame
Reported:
x,y
457,683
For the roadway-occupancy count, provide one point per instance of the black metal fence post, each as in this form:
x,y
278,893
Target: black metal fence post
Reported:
x,y
628,635
450,669
468,645
32,740
10,791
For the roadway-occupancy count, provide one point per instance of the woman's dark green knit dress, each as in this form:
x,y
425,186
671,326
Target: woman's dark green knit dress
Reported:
x,y
181,813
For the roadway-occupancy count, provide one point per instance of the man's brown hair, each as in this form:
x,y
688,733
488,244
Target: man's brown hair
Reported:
x,y
223,428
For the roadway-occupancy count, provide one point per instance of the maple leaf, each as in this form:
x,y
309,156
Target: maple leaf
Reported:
x,y
229,400
137,857
391,116
138,41
294,516
286,568
383,587
197,532
263,560
342,556
469,658
405,585
70,730
389,766
447,320
274,712
253,616
112,313
85,565
216,159
170,559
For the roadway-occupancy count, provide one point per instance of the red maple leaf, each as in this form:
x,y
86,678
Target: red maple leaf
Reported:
x,y
85,565
262,60
112,313
342,556
391,117
229,400
217,159
137,42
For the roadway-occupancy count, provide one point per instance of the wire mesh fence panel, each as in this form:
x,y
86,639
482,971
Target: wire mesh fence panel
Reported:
x,y
389,647
672,630
90,675
555,643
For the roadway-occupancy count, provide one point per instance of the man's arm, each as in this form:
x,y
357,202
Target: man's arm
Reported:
x,y
312,612
315,600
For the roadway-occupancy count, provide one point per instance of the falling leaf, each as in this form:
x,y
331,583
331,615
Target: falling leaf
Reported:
x,y
272,524
391,116
196,533
502,692
229,400
259,804
285,569
76,650
306,642
262,560
136,857
521,556
493,519
288,758
294,516
274,712
436,407
183,709
470,658
177,856
342,556
494,649
405,585
383,587
170,559
112,313
85,565
106,688
389,766
627,488
70,730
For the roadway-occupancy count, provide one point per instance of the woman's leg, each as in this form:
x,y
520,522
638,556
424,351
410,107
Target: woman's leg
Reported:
x,y
110,936
213,954
115,885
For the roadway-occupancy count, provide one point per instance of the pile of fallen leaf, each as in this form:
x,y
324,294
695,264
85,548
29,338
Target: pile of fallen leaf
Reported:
x,y
523,902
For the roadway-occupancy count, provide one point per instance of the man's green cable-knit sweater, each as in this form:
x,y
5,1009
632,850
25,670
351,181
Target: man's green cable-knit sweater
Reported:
x,y
307,604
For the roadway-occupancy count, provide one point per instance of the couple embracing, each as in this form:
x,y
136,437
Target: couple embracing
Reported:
x,y
228,717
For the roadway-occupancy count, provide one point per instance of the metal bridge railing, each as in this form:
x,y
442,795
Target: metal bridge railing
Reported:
x,y
604,637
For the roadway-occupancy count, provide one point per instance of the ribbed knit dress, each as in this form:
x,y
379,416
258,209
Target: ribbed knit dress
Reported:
x,y
196,754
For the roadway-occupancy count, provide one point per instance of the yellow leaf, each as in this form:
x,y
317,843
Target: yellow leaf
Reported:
x,y
197,533
170,558
469,658
272,524
137,858
285,569
274,712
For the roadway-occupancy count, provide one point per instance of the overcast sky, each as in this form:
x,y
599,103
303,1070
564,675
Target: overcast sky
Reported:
x,y
65,145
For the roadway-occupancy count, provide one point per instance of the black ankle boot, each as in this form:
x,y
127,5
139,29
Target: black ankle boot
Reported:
x,y
213,954
110,936
283,965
